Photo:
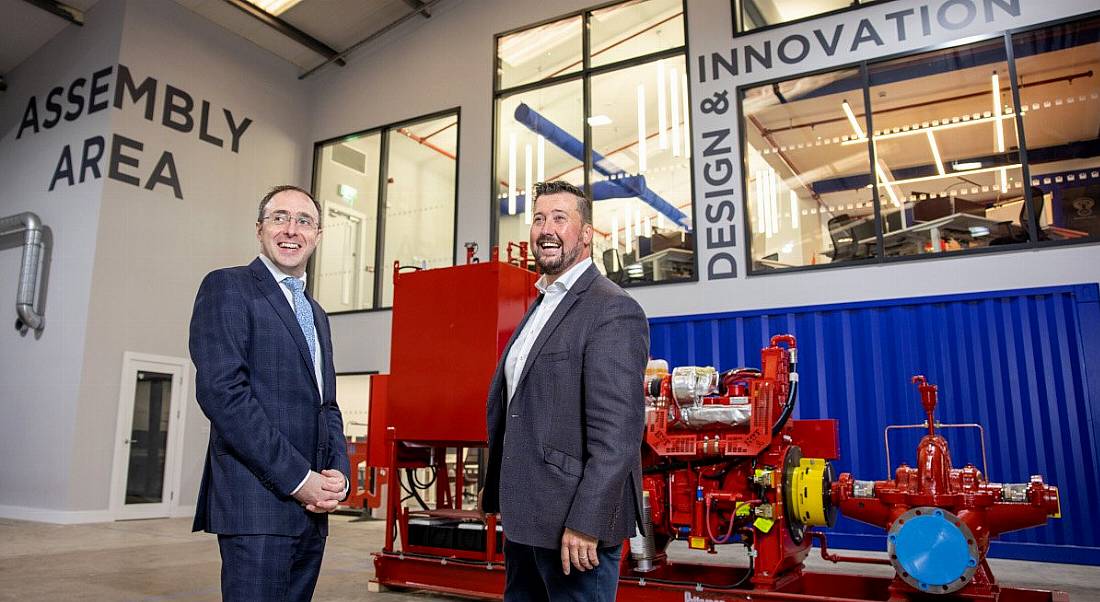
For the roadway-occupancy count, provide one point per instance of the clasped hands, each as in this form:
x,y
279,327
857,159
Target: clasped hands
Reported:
x,y
322,491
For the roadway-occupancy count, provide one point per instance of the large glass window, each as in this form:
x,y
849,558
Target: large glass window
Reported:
x,y
1059,73
799,138
754,14
623,113
937,164
388,195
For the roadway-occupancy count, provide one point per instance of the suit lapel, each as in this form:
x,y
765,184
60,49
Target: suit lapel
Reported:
x,y
272,291
567,302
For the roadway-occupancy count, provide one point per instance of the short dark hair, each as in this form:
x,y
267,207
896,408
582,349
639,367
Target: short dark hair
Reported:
x,y
584,205
283,188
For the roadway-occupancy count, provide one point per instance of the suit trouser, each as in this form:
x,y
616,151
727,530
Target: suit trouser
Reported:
x,y
533,574
271,567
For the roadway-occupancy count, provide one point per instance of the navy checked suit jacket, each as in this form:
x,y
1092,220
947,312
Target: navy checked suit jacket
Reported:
x,y
572,455
268,425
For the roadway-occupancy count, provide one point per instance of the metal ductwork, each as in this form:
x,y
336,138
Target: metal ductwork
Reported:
x,y
35,250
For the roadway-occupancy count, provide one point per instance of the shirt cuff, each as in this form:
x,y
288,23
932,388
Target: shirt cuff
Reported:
x,y
300,485
347,487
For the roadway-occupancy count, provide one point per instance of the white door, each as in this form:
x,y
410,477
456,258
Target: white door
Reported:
x,y
145,481
346,281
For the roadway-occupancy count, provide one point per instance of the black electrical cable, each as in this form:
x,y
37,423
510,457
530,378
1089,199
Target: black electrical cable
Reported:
x,y
416,482
412,492
671,466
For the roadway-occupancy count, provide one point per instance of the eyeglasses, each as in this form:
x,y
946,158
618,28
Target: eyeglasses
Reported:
x,y
282,218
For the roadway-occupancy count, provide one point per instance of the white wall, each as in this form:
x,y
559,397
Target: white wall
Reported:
x,y
154,248
130,284
448,61
40,377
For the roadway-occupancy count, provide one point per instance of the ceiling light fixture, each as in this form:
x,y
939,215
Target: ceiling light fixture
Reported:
x,y
642,135
936,153
598,120
931,128
966,165
274,7
852,119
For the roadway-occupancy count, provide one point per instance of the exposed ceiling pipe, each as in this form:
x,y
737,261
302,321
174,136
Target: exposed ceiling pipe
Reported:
x,y
356,46
70,14
35,249
287,30
538,124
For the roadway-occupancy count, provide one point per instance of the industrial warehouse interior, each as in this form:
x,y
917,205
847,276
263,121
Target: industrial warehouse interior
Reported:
x,y
863,234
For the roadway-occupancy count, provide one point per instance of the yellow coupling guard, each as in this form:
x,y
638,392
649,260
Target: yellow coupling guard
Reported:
x,y
808,493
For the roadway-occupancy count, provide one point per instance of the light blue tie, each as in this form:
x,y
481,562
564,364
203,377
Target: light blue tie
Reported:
x,y
303,311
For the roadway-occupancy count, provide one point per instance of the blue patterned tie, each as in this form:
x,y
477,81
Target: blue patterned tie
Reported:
x,y
303,311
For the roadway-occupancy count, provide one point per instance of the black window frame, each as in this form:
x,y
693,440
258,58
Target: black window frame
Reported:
x,y
736,20
879,258
380,228
585,75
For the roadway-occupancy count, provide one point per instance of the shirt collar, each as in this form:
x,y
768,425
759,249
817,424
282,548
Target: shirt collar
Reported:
x,y
566,280
278,274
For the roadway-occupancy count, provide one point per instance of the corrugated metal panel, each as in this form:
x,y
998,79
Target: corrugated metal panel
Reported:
x,y
1017,362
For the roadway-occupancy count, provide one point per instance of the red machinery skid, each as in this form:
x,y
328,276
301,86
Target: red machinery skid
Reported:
x,y
723,460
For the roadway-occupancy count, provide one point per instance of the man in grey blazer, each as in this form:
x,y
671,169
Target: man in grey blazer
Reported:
x,y
565,417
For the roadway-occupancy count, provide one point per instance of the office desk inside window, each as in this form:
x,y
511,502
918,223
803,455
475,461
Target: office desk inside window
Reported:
x,y
668,264
960,225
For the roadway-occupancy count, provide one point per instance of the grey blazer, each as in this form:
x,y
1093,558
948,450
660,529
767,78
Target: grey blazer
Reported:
x,y
572,457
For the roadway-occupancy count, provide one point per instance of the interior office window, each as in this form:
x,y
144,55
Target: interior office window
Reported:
x,y
1059,79
539,53
629,95
388,194
419,197
638,28
947,161
754,14
539,138
808,195
346,185
641,173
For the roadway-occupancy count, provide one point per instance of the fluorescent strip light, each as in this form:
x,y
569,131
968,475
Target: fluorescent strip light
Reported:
x,y
598,120
794,209
956,174
674,84
626,229
641,130
773,192
852,119
540,160
687,112
1004,179
662,121
647,227
274,7
997,113
528,185
966,165
512,174
887,184
614,231
932,128
760,217
660,222
637,222
935,152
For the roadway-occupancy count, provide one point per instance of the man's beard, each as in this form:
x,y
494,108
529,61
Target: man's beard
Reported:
x,y
559,265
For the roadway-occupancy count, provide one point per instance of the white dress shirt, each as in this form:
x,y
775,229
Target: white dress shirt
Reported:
x,y
279,275
552,295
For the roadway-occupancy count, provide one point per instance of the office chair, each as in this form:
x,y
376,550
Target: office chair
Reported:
x,y
1013,234
613,266
843,235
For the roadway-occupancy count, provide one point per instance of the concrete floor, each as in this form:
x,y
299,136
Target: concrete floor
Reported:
x,y
161,560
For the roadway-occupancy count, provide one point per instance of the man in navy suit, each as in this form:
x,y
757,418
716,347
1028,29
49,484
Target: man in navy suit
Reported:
x,y
565,418
277,457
